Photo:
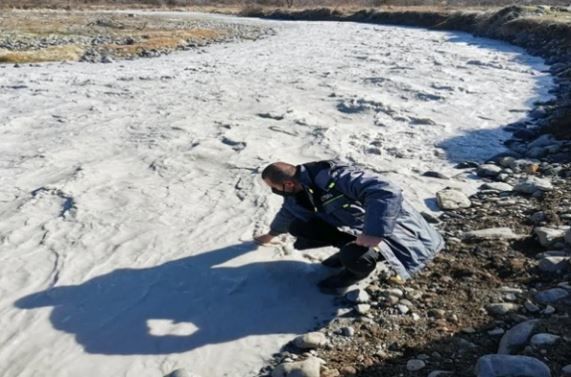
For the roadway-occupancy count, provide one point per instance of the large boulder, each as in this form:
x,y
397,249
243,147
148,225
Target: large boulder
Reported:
x,y
517,337
548,236
555,264
511,366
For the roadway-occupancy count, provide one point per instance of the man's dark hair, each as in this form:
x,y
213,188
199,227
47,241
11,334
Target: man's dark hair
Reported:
x,y
279,172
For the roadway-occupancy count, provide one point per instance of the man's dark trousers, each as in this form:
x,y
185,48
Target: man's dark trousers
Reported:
x,y
359,260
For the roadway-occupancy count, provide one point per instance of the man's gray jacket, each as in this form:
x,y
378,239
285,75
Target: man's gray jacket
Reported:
x,y
346,196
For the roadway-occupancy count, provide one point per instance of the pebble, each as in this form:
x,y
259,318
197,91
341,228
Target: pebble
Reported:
x,y
537,217
358,296
466,165
511,366
440,373
403,309
406,303
437,313
348,331
568,237
435,174
507,162
348,370
330,373
363,308
497,331
531,307
543,340
501,308
414,365
566,370
311,340
548,310
510,297
393,292
106,59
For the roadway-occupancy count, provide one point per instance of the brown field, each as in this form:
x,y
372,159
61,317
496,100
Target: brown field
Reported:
x,y
127,36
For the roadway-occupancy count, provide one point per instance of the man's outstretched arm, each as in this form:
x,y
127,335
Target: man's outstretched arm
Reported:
x,y
279,225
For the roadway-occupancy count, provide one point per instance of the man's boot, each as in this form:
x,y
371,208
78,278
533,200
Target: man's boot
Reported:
x,y
302,243
334,261
341,280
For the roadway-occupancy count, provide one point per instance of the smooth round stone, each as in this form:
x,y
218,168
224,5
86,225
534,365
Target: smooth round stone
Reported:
x,y
403,309
348,331
496,332
551,295
489,170
544,340
516,337
310,340
363,308
415,365
501,308
510,365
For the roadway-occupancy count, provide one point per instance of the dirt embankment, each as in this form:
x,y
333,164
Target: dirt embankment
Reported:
x,y
542,30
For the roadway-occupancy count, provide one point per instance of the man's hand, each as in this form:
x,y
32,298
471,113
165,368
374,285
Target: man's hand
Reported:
x,y
264,239
367,241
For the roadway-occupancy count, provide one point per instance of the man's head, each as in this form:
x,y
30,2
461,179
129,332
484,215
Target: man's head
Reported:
x,y
280,177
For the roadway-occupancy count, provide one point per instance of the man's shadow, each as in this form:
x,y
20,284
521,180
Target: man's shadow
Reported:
x,y
194,302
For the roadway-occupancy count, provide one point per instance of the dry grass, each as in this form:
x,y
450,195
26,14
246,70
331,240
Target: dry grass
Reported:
x,y
161,39
146,32
49,54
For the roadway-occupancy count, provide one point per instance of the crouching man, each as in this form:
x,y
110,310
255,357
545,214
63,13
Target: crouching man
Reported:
x,y
322,197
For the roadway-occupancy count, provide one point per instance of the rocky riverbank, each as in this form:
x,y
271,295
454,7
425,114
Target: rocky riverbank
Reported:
x,y
497,301
103,37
